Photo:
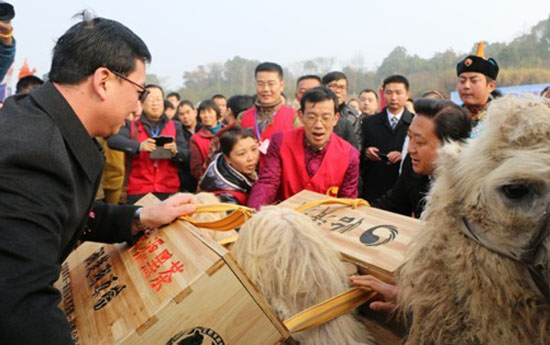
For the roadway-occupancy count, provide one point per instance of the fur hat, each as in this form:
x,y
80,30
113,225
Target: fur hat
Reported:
x,y
478,63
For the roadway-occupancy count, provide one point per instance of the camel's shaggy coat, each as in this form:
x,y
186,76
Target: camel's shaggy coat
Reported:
x,y
295,267
455,290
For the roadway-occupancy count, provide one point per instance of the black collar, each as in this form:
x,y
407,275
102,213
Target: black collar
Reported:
x,y
77,139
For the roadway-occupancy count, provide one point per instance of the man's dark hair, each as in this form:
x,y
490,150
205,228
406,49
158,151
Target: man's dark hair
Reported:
x,y
496,93
396,79
168,105
186,102
94,43
436,94
319,94
155,86
27,82
218,95
332,76
231,136
174,94
544,91
240,103
451,121
309,76
369,91
269,67
208,104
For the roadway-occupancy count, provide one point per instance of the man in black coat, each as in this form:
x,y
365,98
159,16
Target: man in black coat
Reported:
x,y
383,137
436,123
50,168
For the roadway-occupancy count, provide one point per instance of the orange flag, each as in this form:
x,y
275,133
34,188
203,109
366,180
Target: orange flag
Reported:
x,y
25,70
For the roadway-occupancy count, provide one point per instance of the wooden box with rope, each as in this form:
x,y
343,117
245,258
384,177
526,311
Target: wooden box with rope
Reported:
x,y
373,239
177,286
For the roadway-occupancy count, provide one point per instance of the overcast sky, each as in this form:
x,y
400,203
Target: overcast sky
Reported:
x,y
184,34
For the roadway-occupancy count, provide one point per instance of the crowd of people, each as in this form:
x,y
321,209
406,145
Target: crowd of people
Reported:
x,y
259,150
249,150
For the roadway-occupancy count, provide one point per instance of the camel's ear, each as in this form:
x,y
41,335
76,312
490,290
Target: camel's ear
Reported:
x,y
450,156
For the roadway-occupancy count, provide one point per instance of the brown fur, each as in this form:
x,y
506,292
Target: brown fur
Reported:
x,y
456,291
295,267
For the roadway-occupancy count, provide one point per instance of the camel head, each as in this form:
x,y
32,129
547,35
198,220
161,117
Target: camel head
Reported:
x,y
497,185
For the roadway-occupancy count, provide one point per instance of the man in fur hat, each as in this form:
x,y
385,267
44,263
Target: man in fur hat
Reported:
x,y
476,80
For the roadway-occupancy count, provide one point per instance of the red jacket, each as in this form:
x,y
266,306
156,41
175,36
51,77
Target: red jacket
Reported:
x,y
153,175
295,176
200,146
282,120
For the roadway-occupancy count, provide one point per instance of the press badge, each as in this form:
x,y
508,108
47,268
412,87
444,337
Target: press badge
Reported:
x,y
264,145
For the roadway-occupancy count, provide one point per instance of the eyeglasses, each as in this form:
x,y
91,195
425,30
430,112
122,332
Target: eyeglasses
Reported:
x,y
312,119
143,92
337,86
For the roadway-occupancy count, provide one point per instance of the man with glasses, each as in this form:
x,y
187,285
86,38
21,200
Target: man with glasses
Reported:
x,y
309,157
337,82
50,168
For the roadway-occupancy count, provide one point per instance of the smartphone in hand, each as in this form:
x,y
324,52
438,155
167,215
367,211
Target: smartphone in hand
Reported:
x,y
383,156
160,141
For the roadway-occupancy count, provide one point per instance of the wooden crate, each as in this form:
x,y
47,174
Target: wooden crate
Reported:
x,y
373,239
175,286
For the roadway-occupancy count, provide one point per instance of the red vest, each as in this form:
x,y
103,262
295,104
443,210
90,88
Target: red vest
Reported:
x,y
282,121
295,177
202,142
153,175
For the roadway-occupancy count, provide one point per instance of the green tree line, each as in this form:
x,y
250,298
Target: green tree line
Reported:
x,y
525,60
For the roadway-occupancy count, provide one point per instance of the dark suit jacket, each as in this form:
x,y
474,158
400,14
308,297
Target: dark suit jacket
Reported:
x,y
379,177
408,194
49,173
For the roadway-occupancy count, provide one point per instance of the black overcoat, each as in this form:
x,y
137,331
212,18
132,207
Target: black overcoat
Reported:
x,y
49,173
379,177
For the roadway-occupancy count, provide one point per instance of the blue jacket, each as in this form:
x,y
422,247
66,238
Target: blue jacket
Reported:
x,y
7,54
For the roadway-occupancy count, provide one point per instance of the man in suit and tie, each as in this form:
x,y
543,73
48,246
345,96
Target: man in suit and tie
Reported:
x,y
383,137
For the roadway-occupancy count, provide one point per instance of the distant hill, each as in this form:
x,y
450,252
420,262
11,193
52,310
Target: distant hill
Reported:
x,y
525,60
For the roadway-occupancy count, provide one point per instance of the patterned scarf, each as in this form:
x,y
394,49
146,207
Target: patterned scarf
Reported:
x,y
266,111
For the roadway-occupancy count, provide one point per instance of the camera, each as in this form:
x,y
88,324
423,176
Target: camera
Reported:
x,y
6,12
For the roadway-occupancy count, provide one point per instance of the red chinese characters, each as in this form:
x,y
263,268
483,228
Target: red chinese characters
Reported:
x,y
151,258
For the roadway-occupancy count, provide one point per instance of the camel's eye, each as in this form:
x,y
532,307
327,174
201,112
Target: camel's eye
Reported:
x,y
516,191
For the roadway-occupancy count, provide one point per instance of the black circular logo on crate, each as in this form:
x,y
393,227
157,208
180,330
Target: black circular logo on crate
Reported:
x,y
196,336
384,234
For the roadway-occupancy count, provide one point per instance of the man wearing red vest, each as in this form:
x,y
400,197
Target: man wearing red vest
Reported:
x,y
310,157
269,115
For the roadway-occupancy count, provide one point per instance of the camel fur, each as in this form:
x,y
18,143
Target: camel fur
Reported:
x,y
295,267
454,290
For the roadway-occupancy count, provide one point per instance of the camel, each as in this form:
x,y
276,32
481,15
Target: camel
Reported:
x,y
294,268
479,271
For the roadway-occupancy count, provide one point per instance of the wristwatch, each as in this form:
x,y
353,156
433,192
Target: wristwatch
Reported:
x,y
137,225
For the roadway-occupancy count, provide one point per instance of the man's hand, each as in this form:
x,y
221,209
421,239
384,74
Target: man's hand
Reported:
x,y
394,157
387,291
172,147
372,154
154,216
148,145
